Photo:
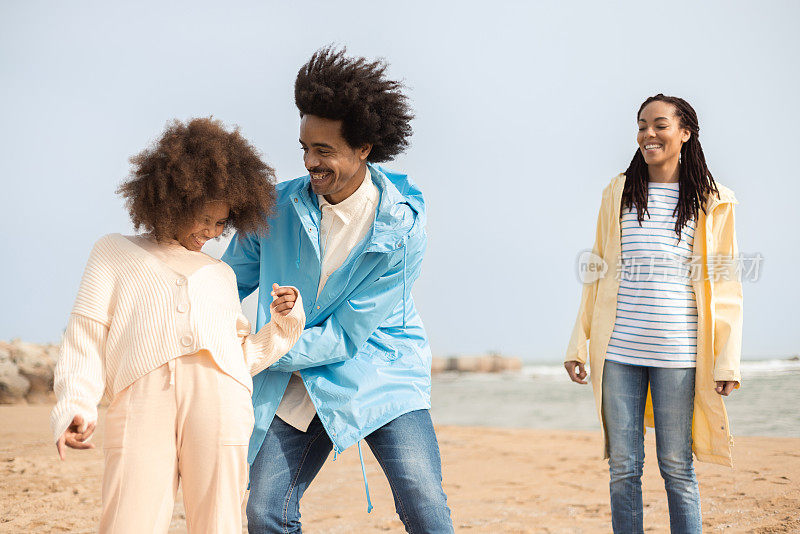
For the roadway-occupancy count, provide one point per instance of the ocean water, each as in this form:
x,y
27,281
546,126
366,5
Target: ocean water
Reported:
x,y
542,396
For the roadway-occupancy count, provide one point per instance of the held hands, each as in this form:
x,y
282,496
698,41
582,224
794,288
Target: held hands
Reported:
x,y
576,371
75,436
283,299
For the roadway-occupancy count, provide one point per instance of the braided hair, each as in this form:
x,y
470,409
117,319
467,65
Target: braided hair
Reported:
x,y
694,178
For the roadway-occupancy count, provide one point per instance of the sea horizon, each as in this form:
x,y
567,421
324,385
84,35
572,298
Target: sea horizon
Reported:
x,y
541,396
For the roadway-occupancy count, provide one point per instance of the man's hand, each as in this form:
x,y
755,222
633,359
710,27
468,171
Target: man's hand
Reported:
x,y
74,436
724,387
576,371
283,299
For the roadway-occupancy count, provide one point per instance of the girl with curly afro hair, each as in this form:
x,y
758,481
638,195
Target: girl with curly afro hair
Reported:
x,y
157,327
190,166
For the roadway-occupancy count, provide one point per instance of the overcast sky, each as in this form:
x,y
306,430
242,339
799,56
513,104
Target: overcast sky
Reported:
x,y
525,111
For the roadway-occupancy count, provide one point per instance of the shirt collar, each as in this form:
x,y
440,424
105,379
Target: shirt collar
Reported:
x,y
352,206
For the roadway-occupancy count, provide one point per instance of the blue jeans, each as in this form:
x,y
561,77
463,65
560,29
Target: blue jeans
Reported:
x,y
624,396
405,448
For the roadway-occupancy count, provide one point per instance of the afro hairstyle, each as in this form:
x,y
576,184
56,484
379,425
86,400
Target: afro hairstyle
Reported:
x,y
193,163
354,90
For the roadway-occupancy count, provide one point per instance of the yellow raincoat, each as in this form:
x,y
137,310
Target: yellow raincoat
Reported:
x,y
718,291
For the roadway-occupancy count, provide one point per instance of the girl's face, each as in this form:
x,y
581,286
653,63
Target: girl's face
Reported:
x,y
209,223
660,135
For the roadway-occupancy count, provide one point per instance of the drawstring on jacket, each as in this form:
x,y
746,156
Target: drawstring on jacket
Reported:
x,y
299,242
404,284
364,473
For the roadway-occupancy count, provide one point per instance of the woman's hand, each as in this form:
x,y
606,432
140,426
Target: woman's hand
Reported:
x,y
724,387
284,299
576,371
74,438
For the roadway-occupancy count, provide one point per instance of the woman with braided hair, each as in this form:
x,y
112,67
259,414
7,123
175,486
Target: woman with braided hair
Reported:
x,y
666,330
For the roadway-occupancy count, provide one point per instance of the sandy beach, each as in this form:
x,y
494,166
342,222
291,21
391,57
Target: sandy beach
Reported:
x,y
497,480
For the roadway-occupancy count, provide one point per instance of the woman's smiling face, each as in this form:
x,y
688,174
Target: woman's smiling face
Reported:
x,y
209,223
661,135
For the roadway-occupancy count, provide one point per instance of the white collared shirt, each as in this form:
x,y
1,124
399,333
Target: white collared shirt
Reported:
x,y
343,226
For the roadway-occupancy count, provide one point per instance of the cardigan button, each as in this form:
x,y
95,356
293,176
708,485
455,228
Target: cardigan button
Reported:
x,y
187,340
183,308
180,281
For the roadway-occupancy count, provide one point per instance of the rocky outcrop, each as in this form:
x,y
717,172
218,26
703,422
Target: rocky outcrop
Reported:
x,y
26,369
26,372
487,363
13,386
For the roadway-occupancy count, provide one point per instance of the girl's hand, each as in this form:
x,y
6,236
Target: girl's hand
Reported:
x,y
74,438
576,371
724,387
283,299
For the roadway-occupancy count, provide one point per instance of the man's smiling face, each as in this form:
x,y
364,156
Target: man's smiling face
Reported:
x,y
336,168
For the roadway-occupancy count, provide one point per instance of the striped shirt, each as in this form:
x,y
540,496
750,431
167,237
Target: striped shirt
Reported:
x,y
656,323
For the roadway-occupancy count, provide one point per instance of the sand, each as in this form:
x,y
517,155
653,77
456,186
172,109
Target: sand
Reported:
x,y
497,481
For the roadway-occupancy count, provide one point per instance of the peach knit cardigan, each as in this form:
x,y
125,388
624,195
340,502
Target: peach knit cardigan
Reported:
x,y
133,314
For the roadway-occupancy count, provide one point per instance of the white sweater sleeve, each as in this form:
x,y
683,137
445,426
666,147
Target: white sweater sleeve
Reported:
x,y
275,338
78,379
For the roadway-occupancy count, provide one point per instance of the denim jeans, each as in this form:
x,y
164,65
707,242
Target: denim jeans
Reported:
x,y
624,396
406,449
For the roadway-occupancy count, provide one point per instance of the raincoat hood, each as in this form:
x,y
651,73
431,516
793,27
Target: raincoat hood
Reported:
x,y
401,210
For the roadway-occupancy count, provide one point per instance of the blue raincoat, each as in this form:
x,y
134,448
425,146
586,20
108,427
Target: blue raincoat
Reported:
x,y
364,355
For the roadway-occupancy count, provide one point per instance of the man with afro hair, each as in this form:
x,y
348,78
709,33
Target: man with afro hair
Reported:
x,y
350,236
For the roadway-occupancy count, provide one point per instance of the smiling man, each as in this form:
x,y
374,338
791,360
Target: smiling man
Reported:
x,y
350,236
